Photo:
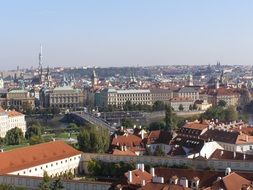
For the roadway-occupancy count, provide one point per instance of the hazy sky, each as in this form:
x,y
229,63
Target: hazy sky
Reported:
x,y
125,32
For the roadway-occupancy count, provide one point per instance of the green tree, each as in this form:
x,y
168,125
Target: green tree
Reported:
x,y
33,130
127,123
249,107
45,183
14,136
231,114
158,151
10,187
56,184
95,139
194,107
158,106
215,112
72,127
35,139
222,103
156,125
170,119
27,108
128,106
1,141
220,113
181,107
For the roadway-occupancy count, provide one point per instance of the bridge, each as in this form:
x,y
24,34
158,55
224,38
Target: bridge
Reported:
x,y
84,116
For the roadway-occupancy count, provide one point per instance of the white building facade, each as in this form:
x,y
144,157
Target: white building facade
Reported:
x,y
10,120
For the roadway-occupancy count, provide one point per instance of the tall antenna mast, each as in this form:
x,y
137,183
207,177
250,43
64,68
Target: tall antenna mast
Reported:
x,y
40,57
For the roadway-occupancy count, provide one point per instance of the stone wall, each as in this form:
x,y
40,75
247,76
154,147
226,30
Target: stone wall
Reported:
x,y
242,165
32,183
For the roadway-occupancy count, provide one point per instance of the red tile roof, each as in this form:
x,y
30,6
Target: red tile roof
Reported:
x,y
196,125
124,152
31,156
229,155
126,140
138,176
14,113
162,186
232,181
159,137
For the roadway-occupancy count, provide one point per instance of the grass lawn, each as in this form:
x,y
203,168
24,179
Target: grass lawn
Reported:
x,y
10,147
60,135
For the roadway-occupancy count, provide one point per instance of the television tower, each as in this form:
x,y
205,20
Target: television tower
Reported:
x,y
40,65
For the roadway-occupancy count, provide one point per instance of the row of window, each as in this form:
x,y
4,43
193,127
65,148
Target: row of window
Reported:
x,y
56,163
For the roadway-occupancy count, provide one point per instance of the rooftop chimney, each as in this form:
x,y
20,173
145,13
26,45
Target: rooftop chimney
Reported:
x,y
1,150
152,172
227,171
234,154
130,176
184,182
142,167
247,138
156,179
195,183
143,183
116,136
244,156
142,134
174,180
221,152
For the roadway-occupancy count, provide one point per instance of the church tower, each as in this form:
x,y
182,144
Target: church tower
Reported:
x,y
94,79
190,80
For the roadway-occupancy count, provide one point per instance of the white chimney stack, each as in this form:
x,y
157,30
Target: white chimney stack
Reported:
x,y
143,183
234,154
227,171
130,176
142,167
156,179
152,172
244,156
1,150
184,182
174,180
142,134
221,152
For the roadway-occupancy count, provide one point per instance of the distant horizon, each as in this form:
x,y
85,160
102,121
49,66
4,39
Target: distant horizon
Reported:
x,y
125,33
105,67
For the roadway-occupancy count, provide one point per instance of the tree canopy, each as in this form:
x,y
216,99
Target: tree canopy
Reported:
x,y
127,123
156,125
93,139
14,136
33,130
170,119
158,106
223,114
222,103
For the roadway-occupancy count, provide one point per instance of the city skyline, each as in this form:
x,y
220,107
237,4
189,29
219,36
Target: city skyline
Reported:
x,y
113,33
